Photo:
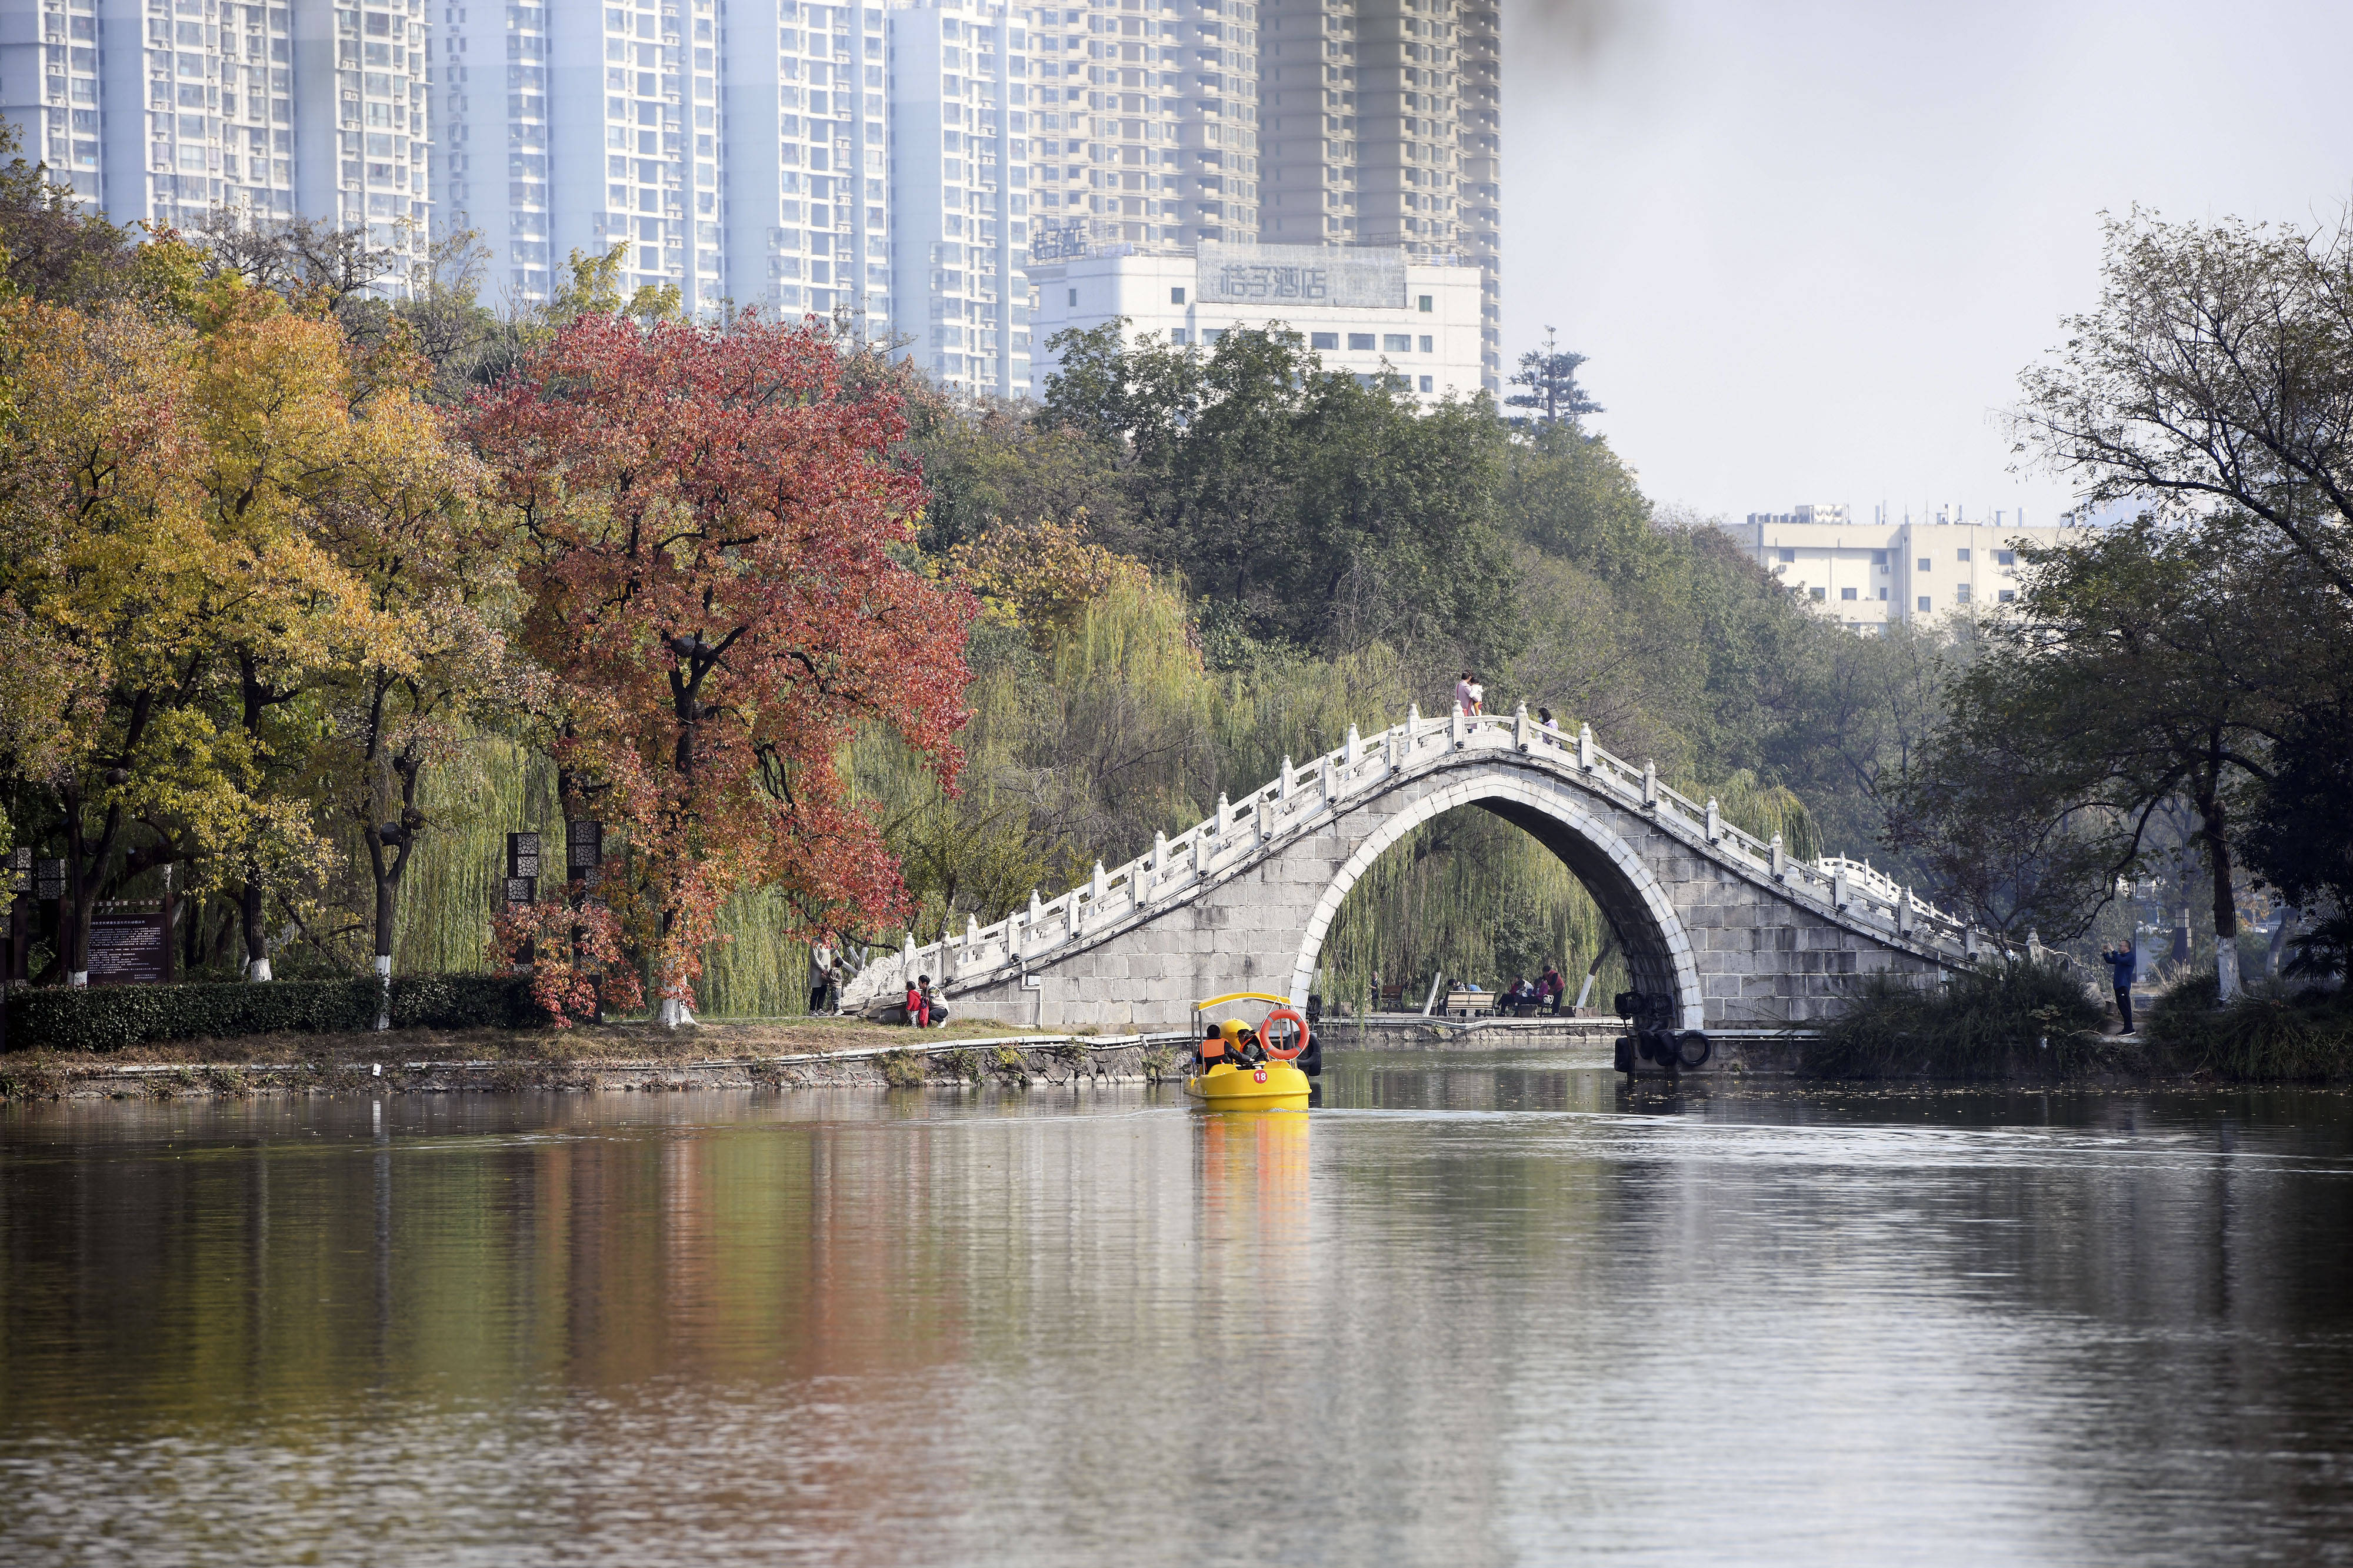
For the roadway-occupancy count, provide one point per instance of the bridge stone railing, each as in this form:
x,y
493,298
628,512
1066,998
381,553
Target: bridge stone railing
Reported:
x,y
1848,891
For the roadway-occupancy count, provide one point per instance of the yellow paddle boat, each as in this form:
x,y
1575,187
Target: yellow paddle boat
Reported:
x,y
1244,1068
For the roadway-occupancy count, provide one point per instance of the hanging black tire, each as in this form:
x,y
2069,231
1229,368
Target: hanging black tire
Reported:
x,y
1693,1048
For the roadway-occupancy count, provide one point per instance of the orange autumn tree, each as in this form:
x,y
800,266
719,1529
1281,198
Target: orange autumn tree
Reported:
x,y
717,574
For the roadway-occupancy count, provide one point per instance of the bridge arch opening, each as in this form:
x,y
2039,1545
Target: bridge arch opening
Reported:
x,y
1637,909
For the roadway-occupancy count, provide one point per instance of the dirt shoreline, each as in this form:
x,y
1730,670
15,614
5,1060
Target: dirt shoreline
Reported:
x,y
797,1054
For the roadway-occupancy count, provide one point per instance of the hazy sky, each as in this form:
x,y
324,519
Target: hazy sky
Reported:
x,y
1809,248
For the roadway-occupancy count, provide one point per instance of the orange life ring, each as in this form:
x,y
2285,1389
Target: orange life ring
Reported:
x,y
1266,1036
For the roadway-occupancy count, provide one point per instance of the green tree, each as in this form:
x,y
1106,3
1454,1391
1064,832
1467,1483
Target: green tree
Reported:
x,y
1330,512
1550,373
2141,672
2216,372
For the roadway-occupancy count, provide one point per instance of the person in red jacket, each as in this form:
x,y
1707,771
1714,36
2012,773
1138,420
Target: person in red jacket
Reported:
x,y
918,1008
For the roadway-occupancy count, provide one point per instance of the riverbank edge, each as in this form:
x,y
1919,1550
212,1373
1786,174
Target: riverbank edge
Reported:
x,y
1004,1059
360,1064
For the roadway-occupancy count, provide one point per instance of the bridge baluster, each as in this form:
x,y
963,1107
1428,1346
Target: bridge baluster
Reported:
x,y
1584,747
1355,753
1520,727
1714,822
1650,785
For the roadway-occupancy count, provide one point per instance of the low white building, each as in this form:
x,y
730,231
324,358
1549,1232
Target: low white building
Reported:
x,y
1866,576
1362,310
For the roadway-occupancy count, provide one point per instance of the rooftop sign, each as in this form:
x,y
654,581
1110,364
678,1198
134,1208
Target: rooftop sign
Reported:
x,y
1278,275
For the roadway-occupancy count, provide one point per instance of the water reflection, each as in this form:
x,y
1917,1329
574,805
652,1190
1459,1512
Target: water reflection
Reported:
x,y
1476,1310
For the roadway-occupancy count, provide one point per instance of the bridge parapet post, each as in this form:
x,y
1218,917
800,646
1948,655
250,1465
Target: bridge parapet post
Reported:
x,y
1714,822
1585,748
1650,785
1454,727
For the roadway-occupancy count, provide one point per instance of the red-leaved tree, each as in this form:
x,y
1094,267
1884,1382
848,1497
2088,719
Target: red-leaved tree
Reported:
x,y
717,578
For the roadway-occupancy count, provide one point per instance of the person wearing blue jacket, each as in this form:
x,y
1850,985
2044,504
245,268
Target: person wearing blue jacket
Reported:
x,y
2120,963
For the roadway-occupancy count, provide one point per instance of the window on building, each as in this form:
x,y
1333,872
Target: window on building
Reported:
x,y
1882,595
1425,343
1426,304
1175,296
2005,557
1924,563
1360,340
1879,559
1179,336
1425,384
1785,554
1322,340
1397,343
1923,600
1960,592
1817,594
1960,554
1846,593
1074,299
2005,596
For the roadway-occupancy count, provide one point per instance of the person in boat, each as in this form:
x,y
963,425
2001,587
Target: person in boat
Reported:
x,y
1232,1041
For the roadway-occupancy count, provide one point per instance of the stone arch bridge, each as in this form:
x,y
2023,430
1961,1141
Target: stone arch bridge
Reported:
x,y
1728,931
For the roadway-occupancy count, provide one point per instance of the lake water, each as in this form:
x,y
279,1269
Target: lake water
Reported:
x,y
1475,1310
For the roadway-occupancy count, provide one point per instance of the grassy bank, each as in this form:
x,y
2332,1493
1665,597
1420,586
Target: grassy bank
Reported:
x,y
2273,1032
2028,1023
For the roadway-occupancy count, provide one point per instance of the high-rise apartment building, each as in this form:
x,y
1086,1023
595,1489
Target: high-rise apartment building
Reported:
x,y
960,186
574,126
1148,126
1380,128
1479,202
740,150
172,110
806,140
915,167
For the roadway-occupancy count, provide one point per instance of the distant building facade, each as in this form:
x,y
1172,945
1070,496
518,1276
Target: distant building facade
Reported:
x,y
929,171
172,113
1868,576
1368,312
960,192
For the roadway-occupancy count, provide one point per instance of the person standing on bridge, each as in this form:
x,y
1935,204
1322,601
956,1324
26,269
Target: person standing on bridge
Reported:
x,y
2122,966
1478,697
1462,697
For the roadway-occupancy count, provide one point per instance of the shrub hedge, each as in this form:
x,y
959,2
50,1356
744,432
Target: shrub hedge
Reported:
x,y
2272,1031
2007,1021
110,1017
